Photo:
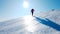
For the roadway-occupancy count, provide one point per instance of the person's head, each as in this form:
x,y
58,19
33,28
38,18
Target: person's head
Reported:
x,y
32,9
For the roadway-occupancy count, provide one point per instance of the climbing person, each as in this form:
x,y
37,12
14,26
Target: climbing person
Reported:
x,y
32,11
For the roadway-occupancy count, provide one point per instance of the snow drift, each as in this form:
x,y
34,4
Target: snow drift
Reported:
x,y
33,25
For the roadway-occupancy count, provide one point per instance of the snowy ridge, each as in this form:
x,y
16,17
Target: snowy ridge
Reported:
x,y
52,15
39,24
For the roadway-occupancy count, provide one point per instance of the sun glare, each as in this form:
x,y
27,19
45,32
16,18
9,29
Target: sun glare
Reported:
x,y
25,4
28,22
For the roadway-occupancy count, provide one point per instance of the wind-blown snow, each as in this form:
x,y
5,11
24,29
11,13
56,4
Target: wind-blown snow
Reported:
x,y
32,25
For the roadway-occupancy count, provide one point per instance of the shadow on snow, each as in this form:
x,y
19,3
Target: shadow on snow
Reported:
x,y
48,23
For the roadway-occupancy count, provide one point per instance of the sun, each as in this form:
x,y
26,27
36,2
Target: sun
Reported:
x,y
25,4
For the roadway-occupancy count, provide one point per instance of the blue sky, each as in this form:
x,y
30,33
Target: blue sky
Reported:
x,y
10,9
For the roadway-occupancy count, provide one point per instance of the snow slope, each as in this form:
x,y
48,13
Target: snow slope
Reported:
x,y
41,23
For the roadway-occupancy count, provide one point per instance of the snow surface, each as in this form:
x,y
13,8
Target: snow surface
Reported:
x,y
33,25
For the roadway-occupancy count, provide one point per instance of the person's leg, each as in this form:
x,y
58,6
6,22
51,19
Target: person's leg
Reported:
x,y
32,13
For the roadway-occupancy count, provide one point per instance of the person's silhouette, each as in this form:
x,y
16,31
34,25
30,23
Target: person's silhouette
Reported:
x,y
32,11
